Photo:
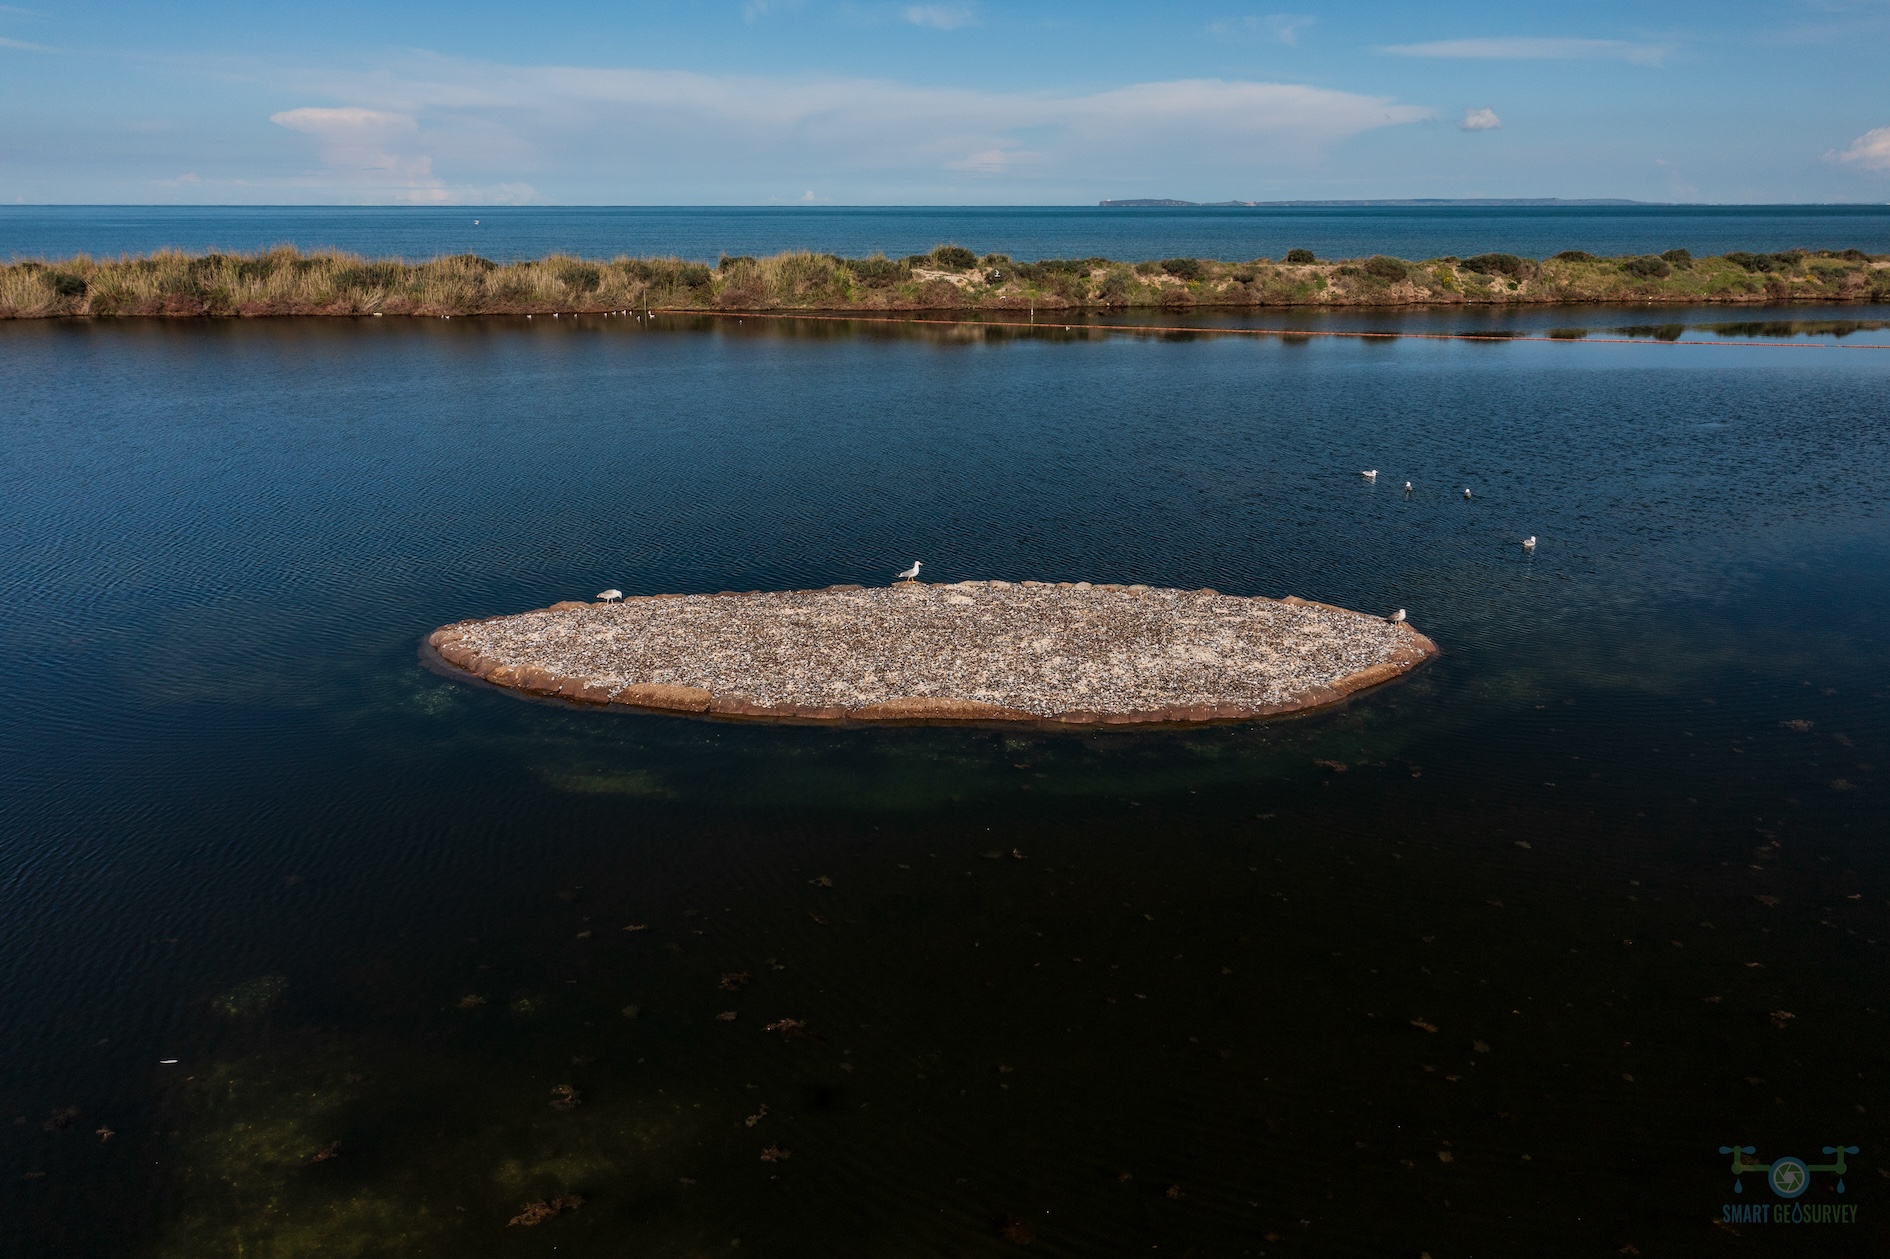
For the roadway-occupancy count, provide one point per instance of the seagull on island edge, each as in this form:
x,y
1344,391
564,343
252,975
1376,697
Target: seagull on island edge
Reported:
x,y
911,575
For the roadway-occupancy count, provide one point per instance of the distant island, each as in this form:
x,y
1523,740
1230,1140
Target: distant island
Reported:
x,y
950,278
1159,202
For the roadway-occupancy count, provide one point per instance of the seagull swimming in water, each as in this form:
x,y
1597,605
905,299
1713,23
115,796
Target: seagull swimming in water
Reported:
x,y
1396,618
1466,491
1407,487
1529,543
911,574
1370,474
609,596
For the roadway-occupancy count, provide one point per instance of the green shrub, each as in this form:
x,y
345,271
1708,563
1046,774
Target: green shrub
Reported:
x,y
1498,264
206,266
1647,268
1568,334
729,264
1750,262
879,271
955,257
1115,286
1380,267
474,261
1678,257
1575,255
66,284
1301,256
1070,286
366,275
1148,268
1854,255
1182,268
579,276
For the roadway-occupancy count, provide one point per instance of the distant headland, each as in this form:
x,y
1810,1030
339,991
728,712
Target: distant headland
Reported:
x,y
1159,202
952,278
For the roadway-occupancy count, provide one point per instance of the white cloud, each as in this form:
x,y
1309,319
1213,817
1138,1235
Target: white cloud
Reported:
x,y
1284,27
375,152
1480,120
666,133
991,161
341,122
1870,150
753,9
1528,48
942,17
365,147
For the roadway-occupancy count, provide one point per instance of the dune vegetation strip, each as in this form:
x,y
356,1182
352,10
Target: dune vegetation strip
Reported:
x,y
286,282
1069,653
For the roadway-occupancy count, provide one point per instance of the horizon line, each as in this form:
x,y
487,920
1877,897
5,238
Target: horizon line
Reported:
x,y
1547,203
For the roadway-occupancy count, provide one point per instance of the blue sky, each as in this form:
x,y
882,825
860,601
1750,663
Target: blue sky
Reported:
x,y
942,102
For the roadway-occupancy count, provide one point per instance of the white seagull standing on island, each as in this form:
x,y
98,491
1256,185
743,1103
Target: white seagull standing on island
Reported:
x,y
610,596
1396,618
1370,474
911,574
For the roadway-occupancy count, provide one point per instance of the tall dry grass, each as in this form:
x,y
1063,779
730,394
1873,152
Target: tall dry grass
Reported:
x,y
285,281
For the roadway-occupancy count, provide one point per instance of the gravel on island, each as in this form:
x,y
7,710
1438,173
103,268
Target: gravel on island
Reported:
x,y
1049,652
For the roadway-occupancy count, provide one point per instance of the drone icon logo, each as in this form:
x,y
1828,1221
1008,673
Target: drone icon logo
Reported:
x,y
1788,1177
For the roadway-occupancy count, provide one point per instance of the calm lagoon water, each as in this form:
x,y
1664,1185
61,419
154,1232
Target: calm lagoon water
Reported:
x,y
507,233
1492,961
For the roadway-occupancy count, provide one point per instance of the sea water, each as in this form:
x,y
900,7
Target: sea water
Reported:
x,y
509,233
302,942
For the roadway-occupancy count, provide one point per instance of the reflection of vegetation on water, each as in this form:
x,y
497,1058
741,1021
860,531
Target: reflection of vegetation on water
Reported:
x,y
342,1147
1785,328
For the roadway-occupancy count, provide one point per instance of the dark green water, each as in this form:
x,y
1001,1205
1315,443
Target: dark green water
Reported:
x,y
1490,962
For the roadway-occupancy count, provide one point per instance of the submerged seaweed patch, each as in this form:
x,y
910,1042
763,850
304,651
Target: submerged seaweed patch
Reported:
x,y
253,997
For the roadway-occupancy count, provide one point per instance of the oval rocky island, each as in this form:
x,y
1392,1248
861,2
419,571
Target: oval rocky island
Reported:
x,y
1058,653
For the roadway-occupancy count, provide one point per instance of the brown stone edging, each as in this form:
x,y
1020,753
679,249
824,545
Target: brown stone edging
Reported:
x,y
657,697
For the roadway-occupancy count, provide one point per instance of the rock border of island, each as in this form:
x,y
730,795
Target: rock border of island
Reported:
x,y
441,646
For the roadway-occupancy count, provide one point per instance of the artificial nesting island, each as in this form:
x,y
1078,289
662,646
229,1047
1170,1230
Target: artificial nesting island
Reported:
x,y
1050,653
